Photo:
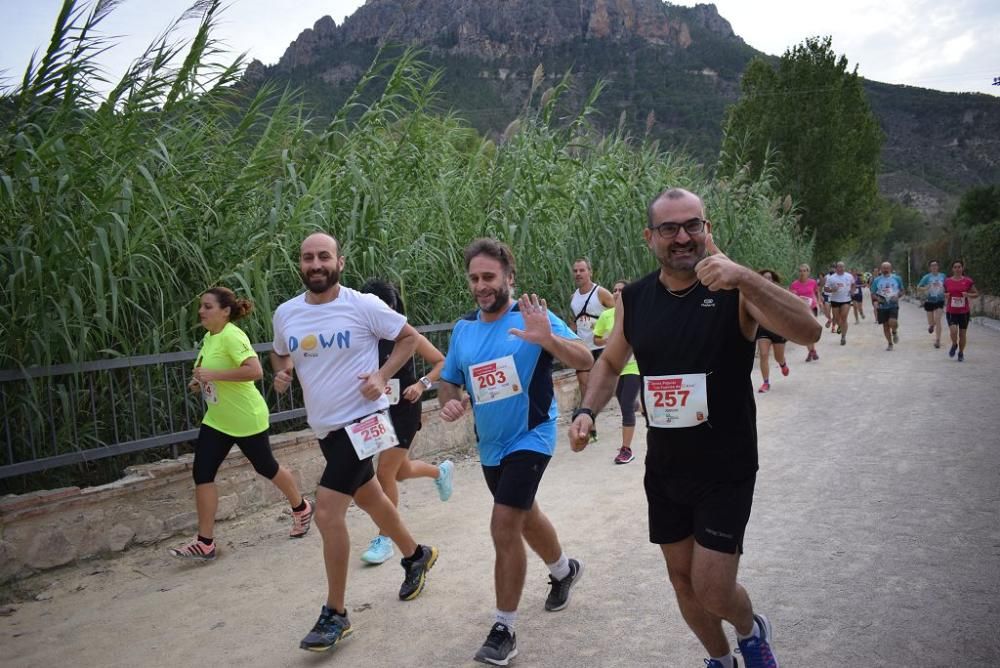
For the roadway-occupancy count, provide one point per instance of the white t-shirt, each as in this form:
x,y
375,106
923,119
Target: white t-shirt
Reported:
x,y
331,344
841,287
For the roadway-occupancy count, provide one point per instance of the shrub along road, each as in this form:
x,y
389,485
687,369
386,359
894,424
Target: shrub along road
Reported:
x,y
874,541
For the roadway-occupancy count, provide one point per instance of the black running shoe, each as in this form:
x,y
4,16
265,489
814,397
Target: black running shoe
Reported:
x,y
558,597
416,572
500,646
330,629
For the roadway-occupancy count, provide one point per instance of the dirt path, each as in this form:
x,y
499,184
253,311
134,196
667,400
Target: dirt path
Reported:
x,y
874,541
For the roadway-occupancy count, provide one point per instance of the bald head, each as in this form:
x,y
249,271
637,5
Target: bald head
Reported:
x,y
321,240
673,196
885,268
320,262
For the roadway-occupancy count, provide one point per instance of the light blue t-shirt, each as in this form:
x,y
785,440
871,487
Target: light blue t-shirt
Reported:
x,y
887,289
526,420
935,287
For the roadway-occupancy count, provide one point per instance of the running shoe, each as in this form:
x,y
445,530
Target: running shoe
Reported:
x,y
937,344
756,650
416,572
809,356
961,357
715,663
843,339
446,471
895,336
379,551
558,597
815,356
930,330
889,348
302,521
194,551
766,387
500,646
624,456
329,629
951,351
784,369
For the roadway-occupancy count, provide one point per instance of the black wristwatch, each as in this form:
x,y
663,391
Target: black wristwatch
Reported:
x,y
583,411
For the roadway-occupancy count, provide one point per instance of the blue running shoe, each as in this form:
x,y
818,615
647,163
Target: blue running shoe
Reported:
x,y
330,629
379,551
446,476
756,650
714,663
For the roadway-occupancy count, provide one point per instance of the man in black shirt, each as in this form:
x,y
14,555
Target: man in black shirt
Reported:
x,y
691,326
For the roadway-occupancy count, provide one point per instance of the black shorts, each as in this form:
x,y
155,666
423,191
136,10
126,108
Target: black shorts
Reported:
x,y
212,446
769,335
859,297
960,320
596,352
405,418
839,304
344,472
826,298
884,315
515,481
930,307
715,513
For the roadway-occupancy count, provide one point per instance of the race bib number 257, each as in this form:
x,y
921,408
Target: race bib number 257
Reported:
x,y
676,401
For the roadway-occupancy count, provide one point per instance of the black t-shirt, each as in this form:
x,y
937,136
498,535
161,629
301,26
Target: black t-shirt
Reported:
x,y
697,333
407,376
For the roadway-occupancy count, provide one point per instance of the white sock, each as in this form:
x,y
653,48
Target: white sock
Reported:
x,y
754,632
728,661
560,567
506,618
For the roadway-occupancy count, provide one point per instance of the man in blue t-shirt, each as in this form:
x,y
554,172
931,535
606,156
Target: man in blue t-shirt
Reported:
x,y
886,289
931,286
502,353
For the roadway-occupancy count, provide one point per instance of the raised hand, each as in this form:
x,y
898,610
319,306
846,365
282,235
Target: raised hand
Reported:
x,y
717,271
537,328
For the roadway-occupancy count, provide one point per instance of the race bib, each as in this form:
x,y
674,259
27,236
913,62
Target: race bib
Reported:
x,y
676,401
209,393
935,289
807,300
495,380
372,434
958,302
392,391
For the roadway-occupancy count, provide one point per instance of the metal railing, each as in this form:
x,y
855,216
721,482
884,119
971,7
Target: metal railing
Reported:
x,y
71,413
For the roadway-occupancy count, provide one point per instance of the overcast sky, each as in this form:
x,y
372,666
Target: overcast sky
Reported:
x,y
953,46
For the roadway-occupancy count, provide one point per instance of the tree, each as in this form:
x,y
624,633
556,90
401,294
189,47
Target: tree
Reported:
x,y
813,112
978,206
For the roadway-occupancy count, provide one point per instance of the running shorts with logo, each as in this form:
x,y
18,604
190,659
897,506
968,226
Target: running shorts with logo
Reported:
x,y
514,482
509,382
699,479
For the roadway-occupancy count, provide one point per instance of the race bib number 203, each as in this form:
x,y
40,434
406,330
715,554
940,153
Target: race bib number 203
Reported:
x,y
495,380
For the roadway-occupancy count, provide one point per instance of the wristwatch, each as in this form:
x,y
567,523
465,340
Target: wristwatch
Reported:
x,y
583,411
426,382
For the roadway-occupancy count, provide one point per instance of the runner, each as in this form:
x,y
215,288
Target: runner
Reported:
x,y
691,326
959,289
503,353
404,392
224,373
768,340
858,296
627,391
886,290
931,287
839,286
330,335
587,303
807,289
826,295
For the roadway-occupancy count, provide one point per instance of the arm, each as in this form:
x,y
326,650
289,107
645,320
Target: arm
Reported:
x,y
249,370
406,344
605,297
282,367
432,356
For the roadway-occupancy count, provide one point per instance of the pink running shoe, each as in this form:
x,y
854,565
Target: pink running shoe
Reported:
x,y
194,551
784,369
766,387
302,521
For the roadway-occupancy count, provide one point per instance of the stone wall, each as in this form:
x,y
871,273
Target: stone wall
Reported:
x,y
154,502
988,306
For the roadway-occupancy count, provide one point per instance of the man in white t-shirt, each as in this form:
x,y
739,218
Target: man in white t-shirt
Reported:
x,y
587,303
839,286
329,336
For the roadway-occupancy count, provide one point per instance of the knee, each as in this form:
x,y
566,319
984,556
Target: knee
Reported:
x,y
327,519
681,582
267,469
506,527
714,596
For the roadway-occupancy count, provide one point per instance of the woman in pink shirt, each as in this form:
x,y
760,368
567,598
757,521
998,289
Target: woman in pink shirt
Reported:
x,y
958,290
807,289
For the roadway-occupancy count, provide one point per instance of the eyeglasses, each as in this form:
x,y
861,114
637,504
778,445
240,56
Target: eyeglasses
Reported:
x,y
670,230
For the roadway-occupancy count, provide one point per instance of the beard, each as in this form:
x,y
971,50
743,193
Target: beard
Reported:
x,y
320,280
680,257
501,297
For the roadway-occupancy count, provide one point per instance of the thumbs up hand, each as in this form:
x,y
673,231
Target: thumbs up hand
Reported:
x,y
717,271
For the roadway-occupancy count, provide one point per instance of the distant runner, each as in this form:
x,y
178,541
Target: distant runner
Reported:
x,y
587,303
839,286
886,290
931,288
808,290
959,289
768,341
629,383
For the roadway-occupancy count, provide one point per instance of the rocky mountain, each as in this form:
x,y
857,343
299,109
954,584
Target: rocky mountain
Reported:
x,y
672,70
